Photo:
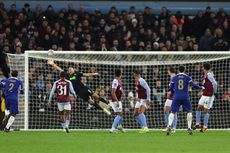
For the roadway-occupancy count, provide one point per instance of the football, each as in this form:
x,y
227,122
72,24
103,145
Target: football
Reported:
x,y
50,52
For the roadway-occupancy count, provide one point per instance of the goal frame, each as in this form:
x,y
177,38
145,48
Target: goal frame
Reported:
x,y
28,52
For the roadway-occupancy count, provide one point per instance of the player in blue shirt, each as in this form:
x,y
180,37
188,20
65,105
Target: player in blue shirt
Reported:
x,y
12,87
179,86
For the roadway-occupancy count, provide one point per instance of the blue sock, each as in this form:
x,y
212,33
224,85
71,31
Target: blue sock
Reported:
x,y
67,123
138,120
198,114
143,120
206,117
116,121
175,121
120,121
166,118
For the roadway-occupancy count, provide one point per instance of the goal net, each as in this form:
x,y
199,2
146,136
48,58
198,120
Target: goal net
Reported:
x,y
38,77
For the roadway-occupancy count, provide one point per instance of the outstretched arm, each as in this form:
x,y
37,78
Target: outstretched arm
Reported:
x,y
55,66
90,74
192,84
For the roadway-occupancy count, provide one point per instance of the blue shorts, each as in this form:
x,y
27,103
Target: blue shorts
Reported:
x,y
187,106
12,106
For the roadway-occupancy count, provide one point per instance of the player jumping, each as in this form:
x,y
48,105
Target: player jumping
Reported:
x,y
115,102
206,101
168,103
12,86
82,90
63,87
143,96
179,87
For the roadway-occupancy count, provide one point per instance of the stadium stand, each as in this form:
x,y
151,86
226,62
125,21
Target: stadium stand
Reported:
x,y
70,29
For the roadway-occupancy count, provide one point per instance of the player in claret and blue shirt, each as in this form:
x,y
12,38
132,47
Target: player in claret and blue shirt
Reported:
x,y
12,86
63,88
206,101
143,96
115,102
179,87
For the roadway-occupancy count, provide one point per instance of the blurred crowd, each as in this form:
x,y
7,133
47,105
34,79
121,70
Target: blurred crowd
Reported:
x,y
128,30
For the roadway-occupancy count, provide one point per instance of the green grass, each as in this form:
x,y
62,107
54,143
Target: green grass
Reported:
x,y
104,142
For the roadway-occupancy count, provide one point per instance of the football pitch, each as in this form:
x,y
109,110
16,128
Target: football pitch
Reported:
x,y
104,142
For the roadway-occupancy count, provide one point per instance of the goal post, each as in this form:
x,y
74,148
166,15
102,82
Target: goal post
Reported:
x,y
38,78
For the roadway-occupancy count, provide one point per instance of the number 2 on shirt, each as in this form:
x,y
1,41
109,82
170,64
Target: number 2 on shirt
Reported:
x,y
180,84
11,86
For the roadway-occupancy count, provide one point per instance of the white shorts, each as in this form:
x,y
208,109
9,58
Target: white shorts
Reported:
x,y
141,102
168,102
206,101
64,106
115,108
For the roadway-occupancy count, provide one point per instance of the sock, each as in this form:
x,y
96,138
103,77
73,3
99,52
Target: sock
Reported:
x,y
189,119
116,121
103,100
67,123
170,119
175,121
143,120
206,117
138,120
10,122
7,112
198,114
120,121
166,118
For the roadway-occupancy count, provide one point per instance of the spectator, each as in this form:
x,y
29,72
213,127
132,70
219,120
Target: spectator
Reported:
x,y
206,41
198,25
40,84
220,45
226,30
159,93
178,21
115,46
226,96
3,64
164,17
12,14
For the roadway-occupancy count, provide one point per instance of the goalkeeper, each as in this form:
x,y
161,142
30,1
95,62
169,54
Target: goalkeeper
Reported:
x,y
82,90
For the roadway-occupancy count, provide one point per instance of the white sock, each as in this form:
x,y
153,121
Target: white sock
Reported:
x,y
7,112
171,117
10,122
189,119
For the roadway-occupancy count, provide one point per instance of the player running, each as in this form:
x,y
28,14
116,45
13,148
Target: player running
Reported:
x,y
115,102
63,88
179,87
168,103
82,90
206,101
12,87
143,96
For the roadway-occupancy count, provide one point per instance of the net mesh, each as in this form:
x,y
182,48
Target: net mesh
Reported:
x,y
154,69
